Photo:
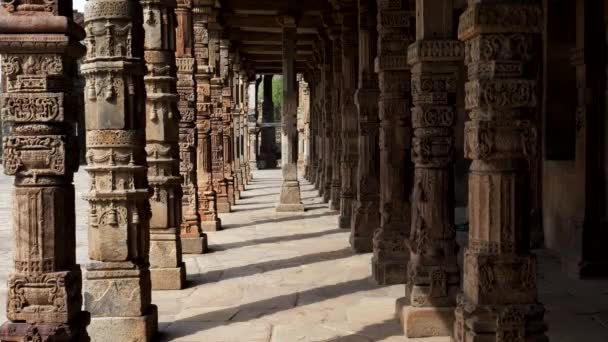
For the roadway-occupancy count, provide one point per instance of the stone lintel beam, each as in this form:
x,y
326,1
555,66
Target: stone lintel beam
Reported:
x,y
273,7
273,50
246,37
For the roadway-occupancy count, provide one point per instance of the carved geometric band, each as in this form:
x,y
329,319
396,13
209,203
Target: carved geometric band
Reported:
x,y
433,116
500,18
495,69
500,94
396,18
432,151
185,65
391,63
35,155
32,107
115,138
435,51
506,139
108,10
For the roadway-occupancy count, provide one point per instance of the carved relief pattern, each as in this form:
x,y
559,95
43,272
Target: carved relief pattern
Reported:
x,y
205,55
433,274
336,123
39,150
366,217
119,211
501,52
348,121
226,76
396,30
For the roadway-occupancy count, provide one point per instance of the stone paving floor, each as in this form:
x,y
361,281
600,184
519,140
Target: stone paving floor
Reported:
x,y
292,278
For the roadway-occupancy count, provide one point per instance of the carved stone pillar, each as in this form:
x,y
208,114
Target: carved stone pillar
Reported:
x,y
44,289
348,120
194,241
319,123
396,28
500,297
225,72
336,114
302,89
268,148
236,130
244,141
366,211
328,119
433,275
118,286
289,200
167,270
205,53
252,126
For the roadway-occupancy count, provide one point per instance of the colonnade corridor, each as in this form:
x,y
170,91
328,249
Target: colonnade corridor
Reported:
x,y
293,278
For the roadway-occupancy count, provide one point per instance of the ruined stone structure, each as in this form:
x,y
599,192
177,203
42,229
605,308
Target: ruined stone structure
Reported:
x,y
376,93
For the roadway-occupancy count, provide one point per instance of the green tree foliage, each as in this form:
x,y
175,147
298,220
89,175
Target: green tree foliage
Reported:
x,y
277,96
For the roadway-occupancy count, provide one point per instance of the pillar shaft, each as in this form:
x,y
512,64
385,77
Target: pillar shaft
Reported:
x,y
433,274
336,114
204,52
395,32
289,199
40,151
366,211
167,269
328,119
192,238
268,144
500,300
348,120
226,202
119,213
252,126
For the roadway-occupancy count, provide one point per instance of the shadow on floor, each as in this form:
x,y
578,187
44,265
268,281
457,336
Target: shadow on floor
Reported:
x,y
374,332
267,266
233,245
295,217
254,310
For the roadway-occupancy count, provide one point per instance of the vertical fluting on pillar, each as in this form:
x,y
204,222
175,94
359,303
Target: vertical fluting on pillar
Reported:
x,y
252,127
348,116
503,53
44,295
366,211
226,202
289,199
204,54
236,129
328,144
433,275
396,28
336,113
194,241
118,286
268,143
167,270
319,122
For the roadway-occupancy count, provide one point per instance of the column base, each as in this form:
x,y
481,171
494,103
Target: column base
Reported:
x,y
142,328
418,322
168,278
333,204
286,207
46,332
344,222
194,245
361,244
223,208
211,226
389,272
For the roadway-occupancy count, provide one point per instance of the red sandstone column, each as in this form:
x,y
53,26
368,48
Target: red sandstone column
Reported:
x,y
396,27
503,52
44,289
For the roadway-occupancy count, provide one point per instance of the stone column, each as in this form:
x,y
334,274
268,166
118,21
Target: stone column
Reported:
x,y
44,295
236,129
336,114
268,147
366,211
167,270
205,53
433,276
244,146
500,297
226,59
328,143
289,199
252,126
348,120
118,287
395,32
319,96
194,241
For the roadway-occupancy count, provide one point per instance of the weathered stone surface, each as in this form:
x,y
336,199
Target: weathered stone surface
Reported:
x,y
169,278
395,33
118,283
136,329
44,296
